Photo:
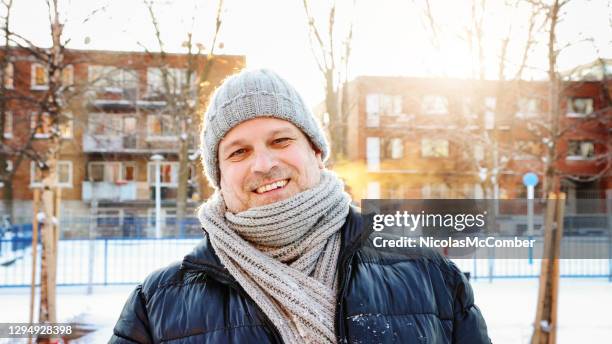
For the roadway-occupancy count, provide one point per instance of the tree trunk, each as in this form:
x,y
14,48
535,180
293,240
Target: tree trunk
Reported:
x,y
183,183
8,198
335,127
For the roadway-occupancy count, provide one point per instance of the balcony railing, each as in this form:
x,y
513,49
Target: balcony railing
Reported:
x,y
110,191
134,143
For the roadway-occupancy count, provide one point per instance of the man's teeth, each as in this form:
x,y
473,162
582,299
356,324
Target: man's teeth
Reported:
x,y
272,186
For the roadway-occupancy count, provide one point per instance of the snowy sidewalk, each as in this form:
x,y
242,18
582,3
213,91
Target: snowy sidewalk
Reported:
x,y
507,305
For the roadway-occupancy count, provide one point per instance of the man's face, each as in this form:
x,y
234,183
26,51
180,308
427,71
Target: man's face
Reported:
x,y
266,160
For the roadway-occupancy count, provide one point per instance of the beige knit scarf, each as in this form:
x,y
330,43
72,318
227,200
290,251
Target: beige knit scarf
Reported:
x,y
284,256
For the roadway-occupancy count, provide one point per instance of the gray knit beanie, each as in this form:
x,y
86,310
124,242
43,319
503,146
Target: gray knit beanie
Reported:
x,y
247,95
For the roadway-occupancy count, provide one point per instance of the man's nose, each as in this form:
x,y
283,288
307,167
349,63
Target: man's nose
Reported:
x,y
264,161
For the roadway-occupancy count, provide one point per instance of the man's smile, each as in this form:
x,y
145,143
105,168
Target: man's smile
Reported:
x,y
272,186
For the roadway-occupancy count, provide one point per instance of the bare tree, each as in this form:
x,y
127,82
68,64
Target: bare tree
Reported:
x,y
185,97
479,127
52,103
333,63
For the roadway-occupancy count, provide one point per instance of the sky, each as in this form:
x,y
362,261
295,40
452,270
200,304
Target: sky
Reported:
x,y
390,36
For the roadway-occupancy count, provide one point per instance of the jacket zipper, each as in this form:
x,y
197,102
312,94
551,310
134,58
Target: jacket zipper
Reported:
x,y
345,270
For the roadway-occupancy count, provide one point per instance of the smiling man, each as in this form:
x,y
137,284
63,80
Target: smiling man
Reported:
x,y
285,258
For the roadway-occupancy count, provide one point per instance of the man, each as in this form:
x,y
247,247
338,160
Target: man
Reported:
x,y
284,256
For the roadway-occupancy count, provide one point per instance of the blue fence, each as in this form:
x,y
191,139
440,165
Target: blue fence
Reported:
x,y
111,261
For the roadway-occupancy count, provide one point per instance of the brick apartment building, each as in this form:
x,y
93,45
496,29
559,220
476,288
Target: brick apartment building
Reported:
x,y
117,119
426,138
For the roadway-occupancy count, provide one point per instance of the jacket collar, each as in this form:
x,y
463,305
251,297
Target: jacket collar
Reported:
x,y
203,256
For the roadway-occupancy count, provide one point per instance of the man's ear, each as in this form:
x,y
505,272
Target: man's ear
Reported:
x,y
318,155
319,158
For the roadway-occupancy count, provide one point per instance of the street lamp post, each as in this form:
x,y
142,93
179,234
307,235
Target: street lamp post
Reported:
x,y
157,158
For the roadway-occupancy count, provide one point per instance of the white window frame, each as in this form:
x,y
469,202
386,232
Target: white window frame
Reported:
x,y
9,165
120,165
66,185
397,148
435,105
176,77
174,173
112,79
8,124
33,84
68,76
9,76
580,157
527,107
432,143
435,191
107,121
157,137
373,153
68,124
34,124
372,110
106,167
573,114
125,164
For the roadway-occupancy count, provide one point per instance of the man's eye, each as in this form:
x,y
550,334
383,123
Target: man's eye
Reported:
x,y
237,153
281,140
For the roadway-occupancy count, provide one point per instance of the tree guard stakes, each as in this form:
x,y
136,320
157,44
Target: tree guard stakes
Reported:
x,y
545,326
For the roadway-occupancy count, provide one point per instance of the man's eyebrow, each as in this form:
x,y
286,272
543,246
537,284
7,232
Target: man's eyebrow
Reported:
x,y
241,142
236,142
281,131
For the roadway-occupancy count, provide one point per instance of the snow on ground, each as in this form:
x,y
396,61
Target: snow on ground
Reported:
x,y
508,306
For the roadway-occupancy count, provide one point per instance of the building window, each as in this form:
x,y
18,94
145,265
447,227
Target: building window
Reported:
x,y
580,150
434,191
177,80
8,125
40,77
527,107
40,124
434,148
373,153
168,173
128,172
160,127
113,79
129,125
434,105
66,126
104,124
9,165
378,104
393,149
526,150
112,172
579,107
9,76
63,172
68,76
372,111
490,103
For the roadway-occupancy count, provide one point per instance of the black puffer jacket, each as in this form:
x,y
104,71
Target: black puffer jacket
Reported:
x,y
407,297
